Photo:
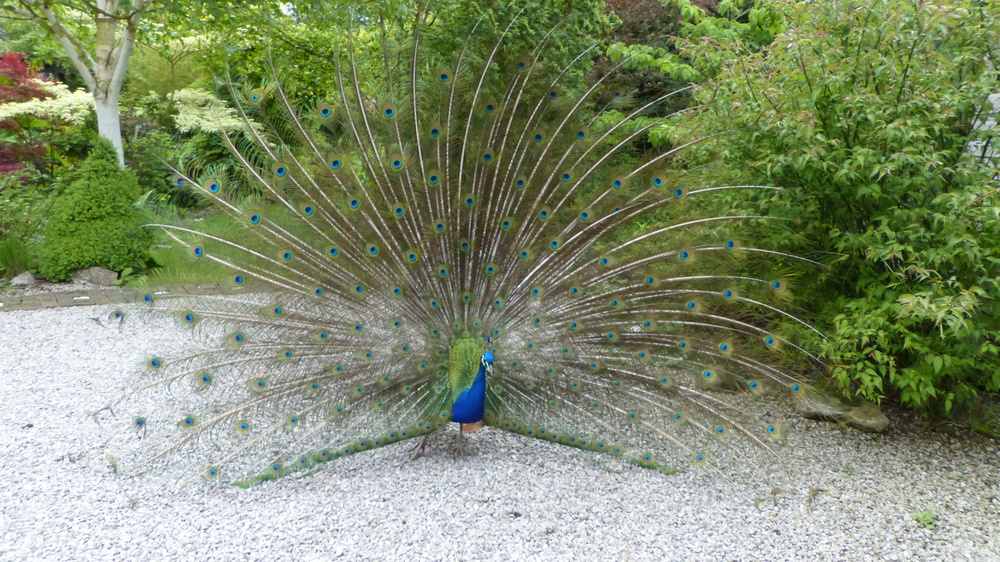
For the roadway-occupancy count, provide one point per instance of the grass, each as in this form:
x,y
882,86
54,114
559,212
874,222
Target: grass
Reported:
x,y
14,257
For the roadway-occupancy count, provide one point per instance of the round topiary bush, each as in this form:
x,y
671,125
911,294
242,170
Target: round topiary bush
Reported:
x,y
94,223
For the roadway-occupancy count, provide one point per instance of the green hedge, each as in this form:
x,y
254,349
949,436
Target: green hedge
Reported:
x,y
94,222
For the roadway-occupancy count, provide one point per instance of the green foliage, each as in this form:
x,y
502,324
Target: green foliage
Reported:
x,y
167,68
746,25
94,222
15,257
24,203
865,113
927,518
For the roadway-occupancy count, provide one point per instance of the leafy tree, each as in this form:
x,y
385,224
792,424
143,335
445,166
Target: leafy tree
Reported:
x,y
865,112
100,52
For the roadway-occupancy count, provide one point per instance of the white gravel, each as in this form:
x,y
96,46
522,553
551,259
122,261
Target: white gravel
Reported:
x,y
517,498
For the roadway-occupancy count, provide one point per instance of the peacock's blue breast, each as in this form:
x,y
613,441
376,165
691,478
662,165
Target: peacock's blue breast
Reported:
x,y
471,403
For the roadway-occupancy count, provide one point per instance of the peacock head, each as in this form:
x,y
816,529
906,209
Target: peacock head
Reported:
x,y
487,362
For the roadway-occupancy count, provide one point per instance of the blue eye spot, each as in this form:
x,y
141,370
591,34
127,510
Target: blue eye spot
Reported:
x,y
397,291
255,218
434,179
520,183
678,192
566,176
685,254
398,211
355,203
397,164
280,171
657,181
307,210
580,134
443,77
389,112
730,244
286,256
617,184
489,108
359,289
553,94
189,317
524,254
435,132
335,163
214,187
334,251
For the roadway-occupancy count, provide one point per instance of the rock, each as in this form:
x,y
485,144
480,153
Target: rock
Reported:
x,y
96,276
817,406
23,279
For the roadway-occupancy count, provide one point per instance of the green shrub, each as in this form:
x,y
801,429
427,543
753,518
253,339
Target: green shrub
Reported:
x,y
94,222
864,113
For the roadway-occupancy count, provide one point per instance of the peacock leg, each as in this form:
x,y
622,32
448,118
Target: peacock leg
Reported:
x,y
459,446
419,449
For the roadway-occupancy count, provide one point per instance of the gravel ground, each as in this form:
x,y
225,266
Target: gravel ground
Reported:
x,y
851,497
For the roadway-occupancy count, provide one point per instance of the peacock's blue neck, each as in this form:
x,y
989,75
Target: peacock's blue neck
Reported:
x,y
471,403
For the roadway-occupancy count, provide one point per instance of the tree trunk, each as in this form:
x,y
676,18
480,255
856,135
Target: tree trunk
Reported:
x,y
109,124
116,24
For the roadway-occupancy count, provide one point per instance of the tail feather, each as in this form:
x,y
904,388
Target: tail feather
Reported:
x,y
392,222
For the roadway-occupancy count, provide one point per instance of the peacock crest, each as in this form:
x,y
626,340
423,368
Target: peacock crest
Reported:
x,y
464,240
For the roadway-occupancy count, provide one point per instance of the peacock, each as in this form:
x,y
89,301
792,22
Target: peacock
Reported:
x,y
467,242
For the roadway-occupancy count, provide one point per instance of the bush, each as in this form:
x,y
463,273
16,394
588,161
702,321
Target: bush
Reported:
x,y
94,223
865,113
